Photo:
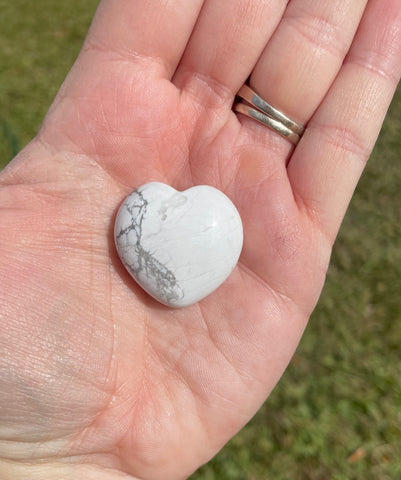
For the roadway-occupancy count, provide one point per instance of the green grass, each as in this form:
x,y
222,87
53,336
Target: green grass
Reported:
x,y
39,40
341,393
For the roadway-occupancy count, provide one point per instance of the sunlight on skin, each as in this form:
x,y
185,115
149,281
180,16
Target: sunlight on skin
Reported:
x,y
97,373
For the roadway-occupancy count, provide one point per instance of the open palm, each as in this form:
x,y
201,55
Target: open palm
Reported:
x,y
95,371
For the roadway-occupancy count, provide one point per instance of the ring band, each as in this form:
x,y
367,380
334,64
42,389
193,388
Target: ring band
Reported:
x,y
268,115
268,121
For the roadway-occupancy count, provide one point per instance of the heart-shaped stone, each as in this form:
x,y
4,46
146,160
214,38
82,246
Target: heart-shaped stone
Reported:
x,y
179,246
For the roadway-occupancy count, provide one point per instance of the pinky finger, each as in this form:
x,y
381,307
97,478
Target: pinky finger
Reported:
x,y
327,164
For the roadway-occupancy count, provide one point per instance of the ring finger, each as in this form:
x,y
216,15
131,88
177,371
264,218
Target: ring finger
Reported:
x,y
305,54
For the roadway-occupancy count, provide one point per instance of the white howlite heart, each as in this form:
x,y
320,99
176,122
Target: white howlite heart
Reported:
x,y
179,246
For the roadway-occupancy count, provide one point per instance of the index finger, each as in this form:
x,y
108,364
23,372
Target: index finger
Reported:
x,y
154,30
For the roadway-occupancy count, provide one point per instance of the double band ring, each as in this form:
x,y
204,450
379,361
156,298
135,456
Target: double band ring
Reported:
x,y
258,109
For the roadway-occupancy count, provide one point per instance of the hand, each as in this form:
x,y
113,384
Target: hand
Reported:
x,y
97,378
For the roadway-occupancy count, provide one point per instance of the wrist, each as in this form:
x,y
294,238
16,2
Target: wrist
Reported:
x,y
10,470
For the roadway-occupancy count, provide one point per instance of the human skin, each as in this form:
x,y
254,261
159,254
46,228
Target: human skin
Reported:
x,y
97,379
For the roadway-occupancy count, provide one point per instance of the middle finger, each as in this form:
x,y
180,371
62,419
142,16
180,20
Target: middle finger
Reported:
x,y
226,42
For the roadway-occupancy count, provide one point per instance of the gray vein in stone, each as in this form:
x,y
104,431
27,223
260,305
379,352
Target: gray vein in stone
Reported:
x,y
158,274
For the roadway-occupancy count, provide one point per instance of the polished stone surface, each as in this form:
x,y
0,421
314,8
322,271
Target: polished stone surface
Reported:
x,y
179,246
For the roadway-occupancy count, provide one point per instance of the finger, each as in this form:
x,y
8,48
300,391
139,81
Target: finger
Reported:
x,y
103,108
328,162
305,54
226,43
155,30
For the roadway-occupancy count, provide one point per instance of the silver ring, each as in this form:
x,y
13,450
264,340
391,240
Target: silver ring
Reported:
x,y
269,116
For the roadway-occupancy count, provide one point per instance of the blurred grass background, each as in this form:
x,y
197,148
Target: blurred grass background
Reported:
x,y
336,414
